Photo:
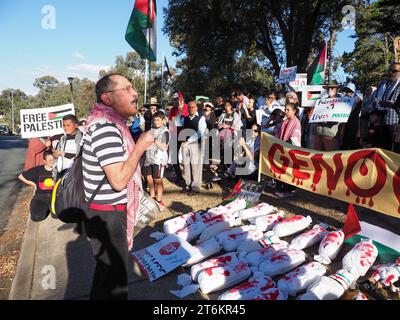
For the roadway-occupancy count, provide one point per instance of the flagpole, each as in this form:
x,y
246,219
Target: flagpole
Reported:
x,y
162,79
145,81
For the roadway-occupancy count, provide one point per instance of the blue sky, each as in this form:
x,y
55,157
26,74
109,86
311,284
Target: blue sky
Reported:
x,y
88,36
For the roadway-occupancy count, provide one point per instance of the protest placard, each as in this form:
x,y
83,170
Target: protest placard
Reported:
x,y
148,211
287,74
164,256
332,110
44,122
299,83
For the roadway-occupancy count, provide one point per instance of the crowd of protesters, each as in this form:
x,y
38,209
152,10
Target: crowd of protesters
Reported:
x,y
192,137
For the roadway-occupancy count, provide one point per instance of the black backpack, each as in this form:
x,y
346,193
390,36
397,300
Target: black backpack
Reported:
x,y
68,194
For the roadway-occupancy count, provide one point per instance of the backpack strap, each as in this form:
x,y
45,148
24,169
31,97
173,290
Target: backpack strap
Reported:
x,y
97,190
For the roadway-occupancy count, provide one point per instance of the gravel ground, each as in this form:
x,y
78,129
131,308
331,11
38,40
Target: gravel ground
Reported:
x,y
11,241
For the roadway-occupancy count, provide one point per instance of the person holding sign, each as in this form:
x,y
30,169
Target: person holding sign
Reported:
x,y
40,177
326,133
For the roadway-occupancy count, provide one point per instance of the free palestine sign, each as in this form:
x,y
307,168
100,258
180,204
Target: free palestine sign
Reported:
x,y
44,122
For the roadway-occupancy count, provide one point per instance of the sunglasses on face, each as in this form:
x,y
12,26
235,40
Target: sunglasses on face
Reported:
x,y
394,70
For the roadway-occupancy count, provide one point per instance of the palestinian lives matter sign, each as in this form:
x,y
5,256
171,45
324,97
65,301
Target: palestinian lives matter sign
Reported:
x,y
332,110
300,82
44,122
287,74
164,256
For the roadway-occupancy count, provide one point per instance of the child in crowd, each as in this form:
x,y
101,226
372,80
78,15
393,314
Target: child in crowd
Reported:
x,y
378,135
156,158
40,177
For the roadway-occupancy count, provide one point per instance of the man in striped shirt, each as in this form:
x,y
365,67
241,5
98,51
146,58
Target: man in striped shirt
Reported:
x,y
110,159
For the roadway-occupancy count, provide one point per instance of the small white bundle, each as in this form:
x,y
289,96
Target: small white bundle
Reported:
x,y
301,278
387,275
212,231
282,262
220,237
250,245
173,225
361,258
249,290
236,205
261,209
218,278
233,241
191,231
265,223
330,247
329,288
291,225
209,218
203,251
309,238
221,261
272,295
255,258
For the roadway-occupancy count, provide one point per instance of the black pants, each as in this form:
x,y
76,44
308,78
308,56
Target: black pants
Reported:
x,y
40,207
107,233
284,187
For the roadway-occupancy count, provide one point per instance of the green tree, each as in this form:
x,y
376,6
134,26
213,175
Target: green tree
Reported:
x,y
46,82
212,36
374,46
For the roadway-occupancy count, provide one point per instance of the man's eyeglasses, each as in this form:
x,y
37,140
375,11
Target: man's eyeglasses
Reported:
x,y
126,89
394,70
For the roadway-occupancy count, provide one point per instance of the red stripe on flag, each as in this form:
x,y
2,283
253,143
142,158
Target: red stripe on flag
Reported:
x,y
352,224
146,7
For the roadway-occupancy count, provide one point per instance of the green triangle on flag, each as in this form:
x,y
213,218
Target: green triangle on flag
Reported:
x,y
141,30
316,72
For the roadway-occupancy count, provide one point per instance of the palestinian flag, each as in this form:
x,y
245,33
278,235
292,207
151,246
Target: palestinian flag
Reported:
x,y
141,31
387,242
54,116
166,68
313,95
316,72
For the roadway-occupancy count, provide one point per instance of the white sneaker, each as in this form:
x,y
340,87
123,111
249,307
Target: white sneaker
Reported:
x,y
216,178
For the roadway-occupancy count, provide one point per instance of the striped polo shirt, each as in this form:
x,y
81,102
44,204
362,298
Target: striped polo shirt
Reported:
x,y
103,145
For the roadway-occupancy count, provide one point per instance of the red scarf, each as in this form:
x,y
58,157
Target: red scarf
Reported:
x,y
101,113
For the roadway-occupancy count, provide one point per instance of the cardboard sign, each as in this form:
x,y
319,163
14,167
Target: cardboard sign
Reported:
x,y
300,82
148,211
332,110
248,190
287,74
164,256
369,177
44,122
311,94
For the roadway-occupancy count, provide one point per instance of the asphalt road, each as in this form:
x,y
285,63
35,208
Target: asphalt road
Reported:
x,y
12,157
